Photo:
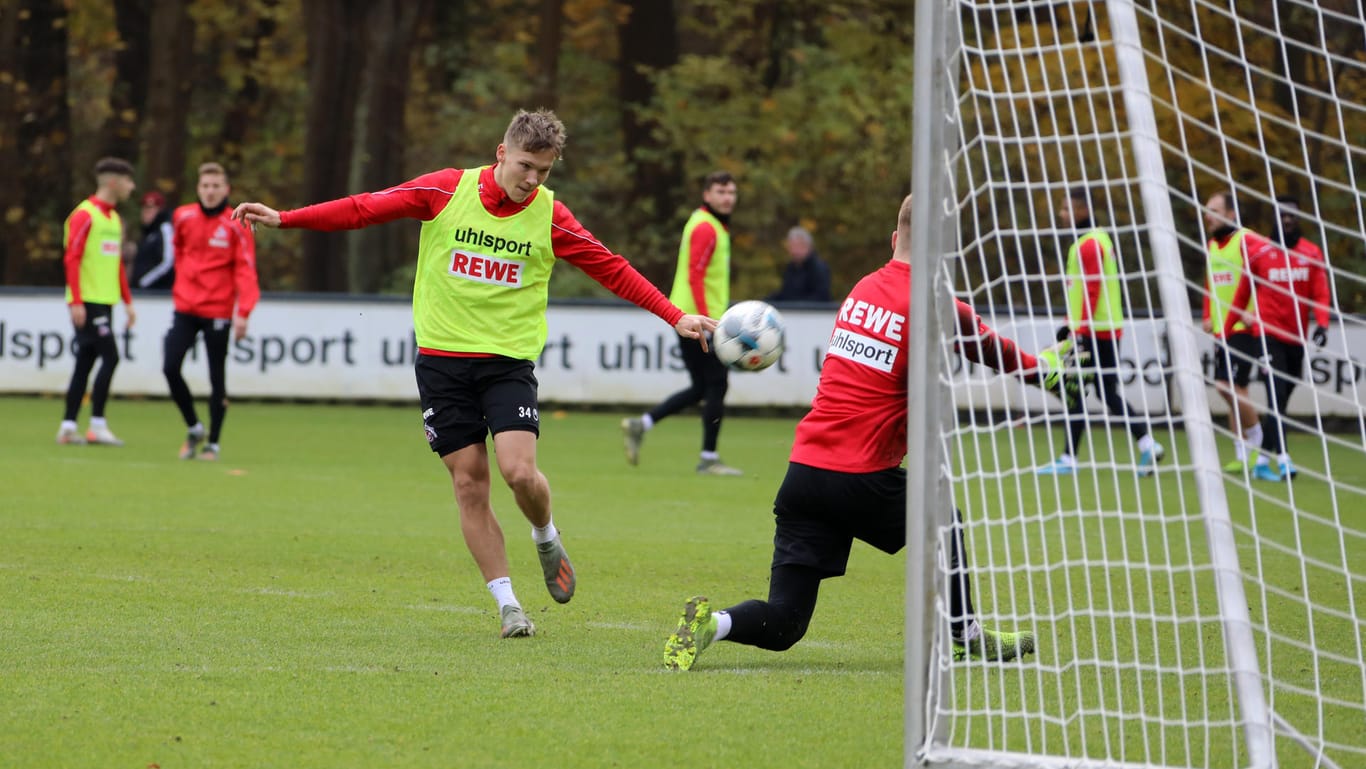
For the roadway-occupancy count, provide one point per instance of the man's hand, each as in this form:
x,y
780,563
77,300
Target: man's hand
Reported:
x,y
77,315
253,214
132,316
695,327
239,328
1320,336
1207,325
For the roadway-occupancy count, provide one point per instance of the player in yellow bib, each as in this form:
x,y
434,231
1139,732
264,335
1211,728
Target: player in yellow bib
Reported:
x,y
490,237
92,241
701,284
1229,250
1095,322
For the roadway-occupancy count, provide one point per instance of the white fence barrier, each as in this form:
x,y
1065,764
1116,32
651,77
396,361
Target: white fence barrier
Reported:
x,y
598,354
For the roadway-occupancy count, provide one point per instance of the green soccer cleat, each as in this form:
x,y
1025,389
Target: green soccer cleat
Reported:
x,y
995,646
516,624
1240,466
696,629
557,570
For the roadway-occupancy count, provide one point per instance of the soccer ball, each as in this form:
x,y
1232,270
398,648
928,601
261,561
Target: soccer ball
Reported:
x,y
750,336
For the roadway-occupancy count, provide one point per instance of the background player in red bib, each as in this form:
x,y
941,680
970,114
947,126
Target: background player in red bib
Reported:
x,y
490,237
215,290
844,478
95,282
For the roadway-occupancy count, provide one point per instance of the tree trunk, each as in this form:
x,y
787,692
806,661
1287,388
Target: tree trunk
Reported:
x,y
128,95
35,148
336,56
549,39
244,112
164,130
375,251
648,42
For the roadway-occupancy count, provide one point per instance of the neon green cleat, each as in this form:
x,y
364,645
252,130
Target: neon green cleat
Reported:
x,y
995,646
1241,465
696,629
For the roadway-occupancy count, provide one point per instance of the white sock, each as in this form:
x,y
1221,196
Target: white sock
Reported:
x,y
543,534
502,592
1067,459
98,423
198,429
710,456
647,421
1146,443
67,424
722,624
1254,437
1284,458
1240,449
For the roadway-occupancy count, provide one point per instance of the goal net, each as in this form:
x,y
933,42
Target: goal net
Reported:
x,y
1197,615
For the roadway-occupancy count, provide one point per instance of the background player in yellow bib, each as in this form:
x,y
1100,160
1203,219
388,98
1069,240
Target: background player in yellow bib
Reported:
x,y
490,237
702,285
92,241
1237,346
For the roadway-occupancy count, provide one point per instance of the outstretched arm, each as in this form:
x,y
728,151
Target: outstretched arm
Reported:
x,y
979,343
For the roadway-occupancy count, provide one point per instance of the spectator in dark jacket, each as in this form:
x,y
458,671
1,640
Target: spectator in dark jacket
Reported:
x,y
154,265
806,278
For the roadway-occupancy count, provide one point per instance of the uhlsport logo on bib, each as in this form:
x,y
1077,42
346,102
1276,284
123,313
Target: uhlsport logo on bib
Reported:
x,y
483,268
866,350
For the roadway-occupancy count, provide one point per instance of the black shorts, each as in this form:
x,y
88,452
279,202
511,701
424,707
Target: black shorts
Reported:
x,y
1287,359
821,512
1241,351
99,325
466,399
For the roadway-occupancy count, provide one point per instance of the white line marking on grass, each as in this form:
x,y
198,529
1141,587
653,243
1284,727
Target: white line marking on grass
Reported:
x,y
285,593
447,608
621,626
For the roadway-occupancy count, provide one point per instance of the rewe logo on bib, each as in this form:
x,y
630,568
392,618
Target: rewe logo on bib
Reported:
x,y
482,268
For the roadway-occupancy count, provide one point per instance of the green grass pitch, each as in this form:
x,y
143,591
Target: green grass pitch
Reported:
x,y
307,602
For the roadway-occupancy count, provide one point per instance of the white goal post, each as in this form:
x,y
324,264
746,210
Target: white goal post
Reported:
x,y
1203,614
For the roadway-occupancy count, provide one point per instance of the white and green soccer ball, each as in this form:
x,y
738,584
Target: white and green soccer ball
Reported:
x,y
750,336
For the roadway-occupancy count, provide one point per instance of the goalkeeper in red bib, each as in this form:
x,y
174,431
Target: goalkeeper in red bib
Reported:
x,y
844,478
490,237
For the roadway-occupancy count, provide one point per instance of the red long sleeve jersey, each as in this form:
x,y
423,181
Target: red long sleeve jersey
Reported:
x,y
1281,280
701,246
857,422
427,195
215,264
75,251
1319,298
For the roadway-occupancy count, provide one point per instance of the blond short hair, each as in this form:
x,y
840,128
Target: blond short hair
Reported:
x,y
535,132
903,222
212,169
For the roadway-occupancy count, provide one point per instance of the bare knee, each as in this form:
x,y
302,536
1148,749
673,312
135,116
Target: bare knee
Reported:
x,y
522,477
